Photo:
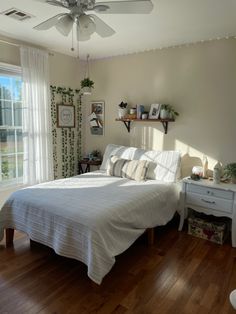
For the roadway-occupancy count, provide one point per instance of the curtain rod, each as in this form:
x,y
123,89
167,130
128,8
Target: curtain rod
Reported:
x,y
9,43
18,45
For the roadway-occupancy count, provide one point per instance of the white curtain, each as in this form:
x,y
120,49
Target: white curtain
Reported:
x,y
38,163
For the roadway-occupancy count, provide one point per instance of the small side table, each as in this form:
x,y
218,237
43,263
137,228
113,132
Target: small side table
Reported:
x,y
212,199
87,164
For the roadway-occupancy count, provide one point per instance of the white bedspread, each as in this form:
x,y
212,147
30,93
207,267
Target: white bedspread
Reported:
x,y
91,217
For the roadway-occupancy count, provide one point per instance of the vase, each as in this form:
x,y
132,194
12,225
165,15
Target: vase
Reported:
x,y
132,111
217,172
164,114
216,175
122,112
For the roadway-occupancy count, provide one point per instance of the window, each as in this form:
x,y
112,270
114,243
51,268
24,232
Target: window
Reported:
x,y
11,141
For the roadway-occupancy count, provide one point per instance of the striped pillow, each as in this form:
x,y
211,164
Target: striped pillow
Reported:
x,y
130,169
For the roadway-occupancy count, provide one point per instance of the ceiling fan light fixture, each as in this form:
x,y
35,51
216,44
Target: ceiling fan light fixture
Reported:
x,y
65,24
87,25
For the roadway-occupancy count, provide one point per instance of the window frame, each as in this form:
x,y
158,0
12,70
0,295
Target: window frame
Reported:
x,y
10,70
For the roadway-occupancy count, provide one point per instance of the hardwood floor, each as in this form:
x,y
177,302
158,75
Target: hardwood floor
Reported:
x,y
179,274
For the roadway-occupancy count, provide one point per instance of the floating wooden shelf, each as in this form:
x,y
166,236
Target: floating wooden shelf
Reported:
x,y
127,122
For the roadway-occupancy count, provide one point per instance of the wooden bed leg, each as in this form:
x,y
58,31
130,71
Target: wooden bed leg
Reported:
x,y
151,236
9,237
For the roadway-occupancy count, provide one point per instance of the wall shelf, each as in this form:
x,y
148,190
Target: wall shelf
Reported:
x,y
165,122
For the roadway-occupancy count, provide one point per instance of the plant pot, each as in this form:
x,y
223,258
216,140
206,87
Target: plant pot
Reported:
x,y
171,115
164,114
122,112
233,180
87,90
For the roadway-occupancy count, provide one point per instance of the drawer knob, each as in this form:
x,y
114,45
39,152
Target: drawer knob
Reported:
x,y
208,202
210,192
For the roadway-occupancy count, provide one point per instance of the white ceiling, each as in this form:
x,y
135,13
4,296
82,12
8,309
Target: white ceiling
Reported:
x,y
172,22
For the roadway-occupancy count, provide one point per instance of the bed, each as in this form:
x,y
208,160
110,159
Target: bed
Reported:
x,y
94,217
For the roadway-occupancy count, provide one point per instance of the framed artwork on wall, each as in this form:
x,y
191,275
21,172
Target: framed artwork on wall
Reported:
x,y
97,117
154,111
65,116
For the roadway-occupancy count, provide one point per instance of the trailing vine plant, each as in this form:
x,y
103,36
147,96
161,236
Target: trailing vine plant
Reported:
x,y
67,142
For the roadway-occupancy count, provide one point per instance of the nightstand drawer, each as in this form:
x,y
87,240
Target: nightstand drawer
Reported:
x,y
209,202
204,190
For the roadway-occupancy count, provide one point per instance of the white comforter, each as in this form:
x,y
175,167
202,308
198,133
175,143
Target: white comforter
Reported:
x,y
92,217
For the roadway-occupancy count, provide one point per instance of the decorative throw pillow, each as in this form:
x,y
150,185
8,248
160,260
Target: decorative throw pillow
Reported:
x,y
130,169
164,165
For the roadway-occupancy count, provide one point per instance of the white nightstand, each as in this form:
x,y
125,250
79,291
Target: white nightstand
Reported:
x,y
212,199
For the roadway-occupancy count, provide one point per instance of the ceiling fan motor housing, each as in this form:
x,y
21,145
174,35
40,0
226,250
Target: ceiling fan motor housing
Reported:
x,y
87,4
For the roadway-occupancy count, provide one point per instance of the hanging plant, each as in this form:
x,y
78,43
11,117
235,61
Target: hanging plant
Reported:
x,y
63,91
86,82
66,142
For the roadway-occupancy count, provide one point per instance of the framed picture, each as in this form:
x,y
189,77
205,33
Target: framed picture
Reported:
x,y
96,118
65,116
154,111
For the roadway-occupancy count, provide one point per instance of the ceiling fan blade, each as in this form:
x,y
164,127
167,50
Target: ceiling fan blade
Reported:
x,y
43,1
57,3
49,23
124,7
81,34
65,24
102,28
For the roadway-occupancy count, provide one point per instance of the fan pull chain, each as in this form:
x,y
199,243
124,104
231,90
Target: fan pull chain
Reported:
x,y
87,72
78,49
77,38
72,45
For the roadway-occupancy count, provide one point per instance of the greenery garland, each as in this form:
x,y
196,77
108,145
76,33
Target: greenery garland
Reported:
x,y
65,157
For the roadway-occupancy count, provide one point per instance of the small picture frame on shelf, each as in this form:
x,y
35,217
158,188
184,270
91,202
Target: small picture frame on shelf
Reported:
x,y
154,111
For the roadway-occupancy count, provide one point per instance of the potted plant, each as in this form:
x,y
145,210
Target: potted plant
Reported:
x,y
122,111
230,172
96,154
87,85
168,112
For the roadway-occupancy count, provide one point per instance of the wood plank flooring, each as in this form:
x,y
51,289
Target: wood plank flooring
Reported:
x,y
179,274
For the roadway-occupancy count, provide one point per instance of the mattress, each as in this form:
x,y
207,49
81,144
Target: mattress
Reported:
x,y
92,217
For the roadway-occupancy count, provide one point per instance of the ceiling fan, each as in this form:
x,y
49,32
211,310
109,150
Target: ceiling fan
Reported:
x,y
87,24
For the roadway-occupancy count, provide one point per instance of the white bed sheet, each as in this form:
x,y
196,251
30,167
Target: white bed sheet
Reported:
x,y
92,217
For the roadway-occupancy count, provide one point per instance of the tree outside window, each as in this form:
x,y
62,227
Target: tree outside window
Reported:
x,y
11,141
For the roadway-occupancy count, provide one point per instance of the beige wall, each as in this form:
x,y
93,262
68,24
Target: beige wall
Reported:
x,y
198,80
64,71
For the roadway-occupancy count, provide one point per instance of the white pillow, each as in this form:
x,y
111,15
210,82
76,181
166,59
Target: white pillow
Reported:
x,y
118,150
164,165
